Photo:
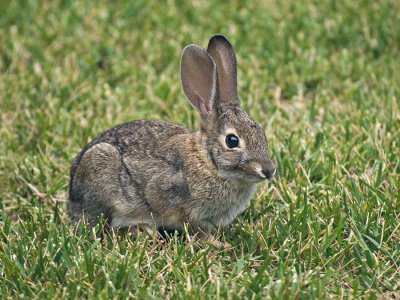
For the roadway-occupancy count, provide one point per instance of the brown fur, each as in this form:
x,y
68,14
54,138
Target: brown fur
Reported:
x,y
155,172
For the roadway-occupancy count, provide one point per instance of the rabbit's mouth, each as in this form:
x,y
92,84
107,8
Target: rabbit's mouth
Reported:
x,y
250,176
256,173
266,174
261,176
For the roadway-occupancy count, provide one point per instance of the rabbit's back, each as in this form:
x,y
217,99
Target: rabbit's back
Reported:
x,y
137,138
110,174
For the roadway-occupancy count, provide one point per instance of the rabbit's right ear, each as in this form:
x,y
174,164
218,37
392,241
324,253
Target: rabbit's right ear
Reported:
x,y
199,79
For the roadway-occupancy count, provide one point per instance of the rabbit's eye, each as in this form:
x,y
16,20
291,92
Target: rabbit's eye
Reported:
x,y
232,141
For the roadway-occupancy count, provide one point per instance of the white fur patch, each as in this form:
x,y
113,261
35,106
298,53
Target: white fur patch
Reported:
x,y
258,170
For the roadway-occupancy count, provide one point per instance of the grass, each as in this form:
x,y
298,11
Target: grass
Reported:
x,y
322,77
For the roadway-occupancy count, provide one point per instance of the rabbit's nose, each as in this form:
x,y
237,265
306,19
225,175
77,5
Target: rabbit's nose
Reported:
x,y
269,171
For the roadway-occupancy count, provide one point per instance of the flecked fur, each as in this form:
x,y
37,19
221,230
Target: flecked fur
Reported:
x,y
156,172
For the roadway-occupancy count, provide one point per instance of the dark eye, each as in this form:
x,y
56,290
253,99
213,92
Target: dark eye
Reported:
x,y
232,141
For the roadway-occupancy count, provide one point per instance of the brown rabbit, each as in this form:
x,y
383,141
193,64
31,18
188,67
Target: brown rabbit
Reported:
x,y
155,173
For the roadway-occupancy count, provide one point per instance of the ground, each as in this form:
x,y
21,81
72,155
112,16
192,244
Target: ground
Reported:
x,y
322,78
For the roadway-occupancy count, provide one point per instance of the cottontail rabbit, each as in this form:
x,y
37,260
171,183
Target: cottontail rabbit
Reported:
x,y
161,174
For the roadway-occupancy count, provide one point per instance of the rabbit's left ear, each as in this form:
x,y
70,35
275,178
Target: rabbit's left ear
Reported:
x,y
199,79
224,57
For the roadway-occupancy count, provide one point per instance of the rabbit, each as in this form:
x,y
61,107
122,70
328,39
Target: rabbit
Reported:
x,y
164,176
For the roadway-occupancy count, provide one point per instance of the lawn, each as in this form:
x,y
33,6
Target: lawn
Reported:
x,y
322,78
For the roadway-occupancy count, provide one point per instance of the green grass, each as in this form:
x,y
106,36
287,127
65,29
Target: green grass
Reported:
x,y
323,79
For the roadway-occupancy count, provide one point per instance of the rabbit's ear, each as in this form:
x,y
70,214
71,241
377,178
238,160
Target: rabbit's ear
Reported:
x,y
224,57
199,78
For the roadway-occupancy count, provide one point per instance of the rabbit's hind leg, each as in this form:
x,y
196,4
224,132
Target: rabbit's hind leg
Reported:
x,y
96,186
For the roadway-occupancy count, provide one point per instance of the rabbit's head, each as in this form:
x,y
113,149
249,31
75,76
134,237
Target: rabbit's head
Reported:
x,y
235,144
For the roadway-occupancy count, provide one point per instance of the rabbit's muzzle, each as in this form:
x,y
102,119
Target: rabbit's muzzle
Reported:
x,y
269,169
